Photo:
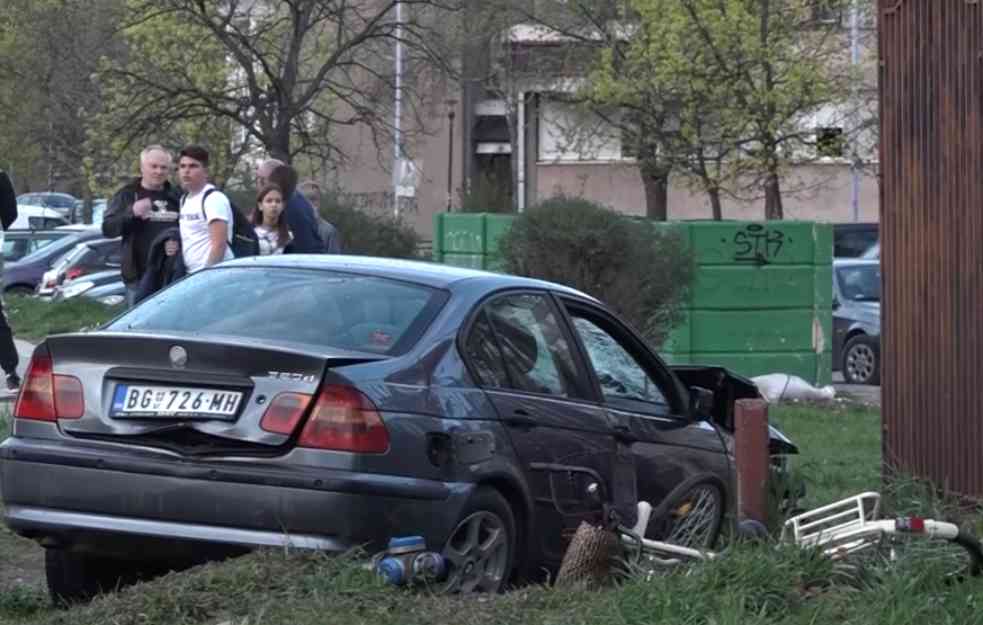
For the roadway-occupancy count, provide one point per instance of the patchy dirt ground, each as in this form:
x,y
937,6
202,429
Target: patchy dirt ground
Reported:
x,y
21,561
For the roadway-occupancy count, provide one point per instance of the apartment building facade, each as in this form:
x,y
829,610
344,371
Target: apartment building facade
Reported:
x,y
483,144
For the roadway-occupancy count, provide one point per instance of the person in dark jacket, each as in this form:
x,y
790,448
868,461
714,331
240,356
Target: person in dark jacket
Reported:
x,y
299,213
165,264
329,234
8,351
140,211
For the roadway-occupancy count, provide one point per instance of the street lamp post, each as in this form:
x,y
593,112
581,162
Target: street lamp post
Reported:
x,y
451,104
855,156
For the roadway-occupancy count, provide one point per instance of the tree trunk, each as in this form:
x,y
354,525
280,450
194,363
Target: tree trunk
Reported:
x,y
86,215
714,194
773,197
656,195
279,142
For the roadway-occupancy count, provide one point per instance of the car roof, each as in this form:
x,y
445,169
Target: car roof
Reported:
x,y
853,262
33,233
101,242
853,225
78,227
427,273
60,193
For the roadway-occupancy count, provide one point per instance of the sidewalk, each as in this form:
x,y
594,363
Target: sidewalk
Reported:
x,y
870,395
24,349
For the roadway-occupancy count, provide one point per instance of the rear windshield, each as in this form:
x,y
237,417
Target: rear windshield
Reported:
x,y
61,244
860,283
74,255
311,307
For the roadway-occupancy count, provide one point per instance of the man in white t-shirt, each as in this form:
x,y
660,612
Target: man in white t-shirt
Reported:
x,y
205,230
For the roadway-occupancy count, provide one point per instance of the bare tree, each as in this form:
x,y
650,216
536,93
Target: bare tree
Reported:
x,y
286,73
52,50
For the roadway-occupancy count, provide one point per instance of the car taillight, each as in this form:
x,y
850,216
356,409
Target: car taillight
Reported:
x,y
45,396
284,412
74,272
344,419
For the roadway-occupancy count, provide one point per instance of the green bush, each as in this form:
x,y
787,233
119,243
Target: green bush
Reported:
x,y
366,234
644,273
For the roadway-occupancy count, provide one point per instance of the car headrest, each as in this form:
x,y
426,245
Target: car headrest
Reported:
x,y
518,343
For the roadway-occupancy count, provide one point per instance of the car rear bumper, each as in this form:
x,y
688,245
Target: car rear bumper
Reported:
x,y
81,496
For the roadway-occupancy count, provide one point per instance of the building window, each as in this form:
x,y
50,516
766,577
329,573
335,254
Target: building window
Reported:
x,y
629,142
568,133
830,143
827,12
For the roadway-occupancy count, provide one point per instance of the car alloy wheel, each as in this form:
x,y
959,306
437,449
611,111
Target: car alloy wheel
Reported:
x,y
861,361
479,551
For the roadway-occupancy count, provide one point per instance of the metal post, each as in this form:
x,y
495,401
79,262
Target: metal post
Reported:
x,y
450,153
398,109
751,458
854,153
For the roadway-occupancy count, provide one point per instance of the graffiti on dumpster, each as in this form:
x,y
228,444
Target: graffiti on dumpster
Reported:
x,y
758,243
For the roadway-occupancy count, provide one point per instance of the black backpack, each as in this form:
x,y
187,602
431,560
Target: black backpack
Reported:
x,y
244,239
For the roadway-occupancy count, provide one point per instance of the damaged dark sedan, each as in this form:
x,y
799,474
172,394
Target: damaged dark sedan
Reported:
x,y
330,402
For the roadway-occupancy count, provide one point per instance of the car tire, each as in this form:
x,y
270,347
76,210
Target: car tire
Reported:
x,y
76,577
481,548
862,360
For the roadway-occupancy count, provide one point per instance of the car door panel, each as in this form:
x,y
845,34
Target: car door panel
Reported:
x,y
521,355
841,325
645,406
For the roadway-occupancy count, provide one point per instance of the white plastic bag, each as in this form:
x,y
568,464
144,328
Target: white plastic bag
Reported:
x,y
782,386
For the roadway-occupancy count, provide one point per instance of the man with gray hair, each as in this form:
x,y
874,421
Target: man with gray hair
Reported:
x,y
141,210
329,234
298,211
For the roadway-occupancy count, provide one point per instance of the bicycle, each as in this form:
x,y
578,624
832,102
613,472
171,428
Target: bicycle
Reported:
x,y
852,526
838,530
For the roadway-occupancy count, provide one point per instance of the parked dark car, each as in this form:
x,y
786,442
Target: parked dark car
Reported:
x,y
24,275
85,258
19,243
330,401
851,240
857,320
82,284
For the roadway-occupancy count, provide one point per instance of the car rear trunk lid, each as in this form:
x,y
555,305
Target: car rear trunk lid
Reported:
x,y
189,394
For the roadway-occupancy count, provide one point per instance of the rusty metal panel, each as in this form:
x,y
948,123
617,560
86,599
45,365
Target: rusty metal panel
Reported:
x,y
931,154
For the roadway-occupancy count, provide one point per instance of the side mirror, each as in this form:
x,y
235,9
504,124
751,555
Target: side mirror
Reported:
x,y
700,402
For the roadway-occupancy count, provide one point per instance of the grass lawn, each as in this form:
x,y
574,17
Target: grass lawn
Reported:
x,y
750,586
33,319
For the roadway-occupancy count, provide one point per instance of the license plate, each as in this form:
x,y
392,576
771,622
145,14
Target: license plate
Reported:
x,y
130,400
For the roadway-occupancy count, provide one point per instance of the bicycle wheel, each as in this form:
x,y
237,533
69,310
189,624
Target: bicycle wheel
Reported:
x,y
690,515
947,559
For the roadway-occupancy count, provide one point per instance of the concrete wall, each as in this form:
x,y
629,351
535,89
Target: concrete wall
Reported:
x,y
815,192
